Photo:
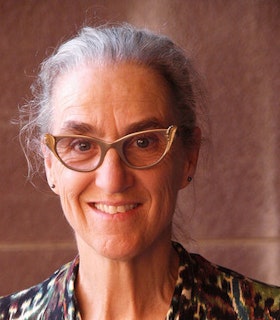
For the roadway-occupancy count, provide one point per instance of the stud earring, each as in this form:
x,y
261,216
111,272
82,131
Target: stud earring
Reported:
x,y
189,179
52,186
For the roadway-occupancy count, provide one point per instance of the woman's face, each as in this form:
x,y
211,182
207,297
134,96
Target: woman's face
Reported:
x,y
117,211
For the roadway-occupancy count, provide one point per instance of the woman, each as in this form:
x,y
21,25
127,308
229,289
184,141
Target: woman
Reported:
x,y
114,116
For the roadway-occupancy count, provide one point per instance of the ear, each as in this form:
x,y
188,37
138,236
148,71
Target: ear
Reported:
x,y
48,162
191,159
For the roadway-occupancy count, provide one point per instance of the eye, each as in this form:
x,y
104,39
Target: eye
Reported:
x,y
142,142
76,145
146,141
82,145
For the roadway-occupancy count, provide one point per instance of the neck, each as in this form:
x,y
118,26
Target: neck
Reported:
x,y
136,288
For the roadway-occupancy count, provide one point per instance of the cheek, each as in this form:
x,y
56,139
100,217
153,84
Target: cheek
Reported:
x,y
70,187
174,172
164,186
70,184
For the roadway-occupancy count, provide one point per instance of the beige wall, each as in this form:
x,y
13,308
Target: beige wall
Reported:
x,y
232,209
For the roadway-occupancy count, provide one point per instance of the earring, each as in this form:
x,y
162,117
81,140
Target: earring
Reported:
x,y
53,186
189,179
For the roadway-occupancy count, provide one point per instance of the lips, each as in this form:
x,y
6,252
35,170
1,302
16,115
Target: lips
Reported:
x,y
110,209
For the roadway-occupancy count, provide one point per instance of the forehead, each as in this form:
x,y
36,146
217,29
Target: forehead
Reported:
x,y
113,94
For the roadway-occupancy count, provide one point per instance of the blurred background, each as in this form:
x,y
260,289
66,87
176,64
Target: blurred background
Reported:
x,y
231,211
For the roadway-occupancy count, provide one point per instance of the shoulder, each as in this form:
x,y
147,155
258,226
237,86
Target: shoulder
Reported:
x,y
225,289
209,291
33,303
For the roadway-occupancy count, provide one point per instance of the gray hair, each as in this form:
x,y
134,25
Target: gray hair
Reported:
x,y
113,44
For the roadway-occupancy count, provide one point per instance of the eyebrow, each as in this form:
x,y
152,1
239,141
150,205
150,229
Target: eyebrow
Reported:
x,y
76,127
82,128
151,123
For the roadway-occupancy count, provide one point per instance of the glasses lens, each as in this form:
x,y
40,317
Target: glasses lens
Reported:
x,y
145,148
79,153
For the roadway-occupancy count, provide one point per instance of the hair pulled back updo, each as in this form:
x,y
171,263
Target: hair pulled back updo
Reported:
x,y
113,44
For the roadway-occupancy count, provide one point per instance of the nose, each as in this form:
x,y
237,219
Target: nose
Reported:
x,y
113,176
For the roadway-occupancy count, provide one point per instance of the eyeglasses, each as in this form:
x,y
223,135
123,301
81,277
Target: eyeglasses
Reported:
x,y
138,150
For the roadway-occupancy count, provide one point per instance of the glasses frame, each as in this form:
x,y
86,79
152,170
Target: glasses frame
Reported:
x,y
51,142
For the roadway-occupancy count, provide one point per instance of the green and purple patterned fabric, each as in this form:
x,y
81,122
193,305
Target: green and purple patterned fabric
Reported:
x,y
203,291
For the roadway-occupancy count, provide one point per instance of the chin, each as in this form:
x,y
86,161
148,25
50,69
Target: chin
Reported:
x,y
121,250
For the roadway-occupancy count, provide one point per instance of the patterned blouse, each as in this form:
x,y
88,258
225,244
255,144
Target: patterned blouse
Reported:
x,y
203,291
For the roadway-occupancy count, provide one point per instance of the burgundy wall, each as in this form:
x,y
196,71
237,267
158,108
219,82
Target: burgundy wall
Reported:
x,y
232,209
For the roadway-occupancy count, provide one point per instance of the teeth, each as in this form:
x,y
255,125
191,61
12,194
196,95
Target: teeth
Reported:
x,y
114,209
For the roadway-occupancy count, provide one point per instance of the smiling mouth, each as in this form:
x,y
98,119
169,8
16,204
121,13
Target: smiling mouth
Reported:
x,y
114,209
